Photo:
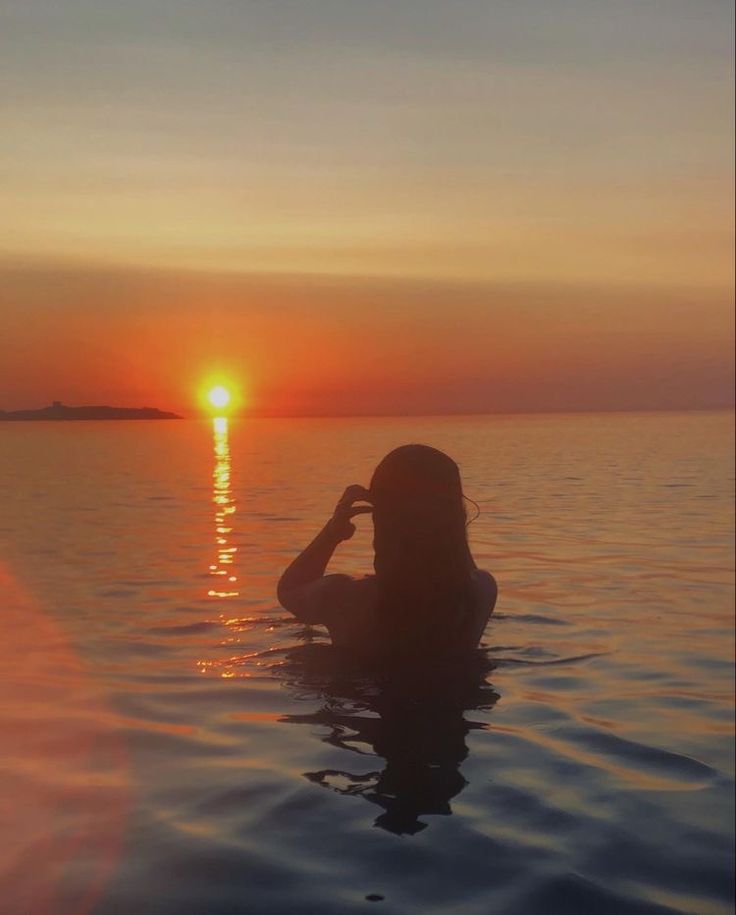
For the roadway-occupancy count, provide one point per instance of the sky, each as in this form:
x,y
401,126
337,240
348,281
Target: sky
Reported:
x,y
341,206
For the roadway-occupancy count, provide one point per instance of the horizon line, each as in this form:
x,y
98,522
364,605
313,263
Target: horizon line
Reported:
x,y
188,414
723,408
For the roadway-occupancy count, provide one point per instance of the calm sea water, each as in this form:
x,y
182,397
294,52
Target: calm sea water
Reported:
x,y
175,743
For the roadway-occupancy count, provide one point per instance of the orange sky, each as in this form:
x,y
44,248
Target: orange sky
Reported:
x,y
319,345
367,208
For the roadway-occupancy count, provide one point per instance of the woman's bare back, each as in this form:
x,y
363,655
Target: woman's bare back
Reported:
x,y
353,620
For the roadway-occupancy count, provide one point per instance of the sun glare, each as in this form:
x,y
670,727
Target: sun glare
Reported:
x,y
219,396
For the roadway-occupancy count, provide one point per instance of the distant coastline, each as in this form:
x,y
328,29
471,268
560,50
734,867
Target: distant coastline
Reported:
x,y
59,411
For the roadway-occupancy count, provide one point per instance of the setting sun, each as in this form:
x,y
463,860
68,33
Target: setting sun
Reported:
x,y
219,396
220,393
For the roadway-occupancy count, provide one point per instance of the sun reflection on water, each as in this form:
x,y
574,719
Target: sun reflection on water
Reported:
x,y
223,569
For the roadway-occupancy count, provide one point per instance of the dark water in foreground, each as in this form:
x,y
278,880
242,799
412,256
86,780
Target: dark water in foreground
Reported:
x,y
174,743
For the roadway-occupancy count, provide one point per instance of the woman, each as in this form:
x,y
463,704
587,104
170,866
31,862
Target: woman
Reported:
x,y
427,597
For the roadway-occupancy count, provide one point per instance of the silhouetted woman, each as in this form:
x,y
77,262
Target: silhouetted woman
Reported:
x,y
427,598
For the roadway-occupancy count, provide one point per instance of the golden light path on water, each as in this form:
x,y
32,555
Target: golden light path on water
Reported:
x,y
223,568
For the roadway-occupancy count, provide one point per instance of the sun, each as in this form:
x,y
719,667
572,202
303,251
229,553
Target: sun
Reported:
x,y
220,393
219,396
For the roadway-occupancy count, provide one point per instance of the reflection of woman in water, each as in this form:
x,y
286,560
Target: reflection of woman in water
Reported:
x,y
415,722
427,599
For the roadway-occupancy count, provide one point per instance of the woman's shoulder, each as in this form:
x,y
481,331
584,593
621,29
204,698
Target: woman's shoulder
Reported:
x,y
346,593
484,577
359,594
486,587
352,620
344,584
320,600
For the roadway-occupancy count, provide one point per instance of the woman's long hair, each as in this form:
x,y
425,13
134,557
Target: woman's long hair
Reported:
x,y
422,561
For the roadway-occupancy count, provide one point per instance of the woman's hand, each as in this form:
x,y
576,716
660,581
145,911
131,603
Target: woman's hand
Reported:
x,y
340,524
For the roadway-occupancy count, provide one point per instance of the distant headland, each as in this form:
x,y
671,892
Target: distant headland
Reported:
x,y
58,411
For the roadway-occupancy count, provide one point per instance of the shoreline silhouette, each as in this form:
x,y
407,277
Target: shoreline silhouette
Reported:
x,y
59,411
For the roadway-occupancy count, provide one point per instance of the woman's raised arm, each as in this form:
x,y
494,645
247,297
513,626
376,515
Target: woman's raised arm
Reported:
x,y
304,589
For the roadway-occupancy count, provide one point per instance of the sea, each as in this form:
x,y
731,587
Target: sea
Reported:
x,y
175,743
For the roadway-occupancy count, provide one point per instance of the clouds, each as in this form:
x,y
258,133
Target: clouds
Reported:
x,y
493,141
501,205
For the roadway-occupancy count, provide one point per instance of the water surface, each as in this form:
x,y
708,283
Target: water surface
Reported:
x,y
176,743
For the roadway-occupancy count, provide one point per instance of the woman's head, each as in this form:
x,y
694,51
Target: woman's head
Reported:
x,y
417,497
422,561
416,470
